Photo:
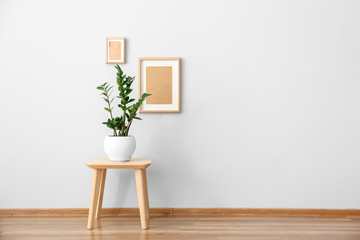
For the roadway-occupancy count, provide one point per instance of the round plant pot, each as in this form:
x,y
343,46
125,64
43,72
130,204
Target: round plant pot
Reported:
x,y
119,148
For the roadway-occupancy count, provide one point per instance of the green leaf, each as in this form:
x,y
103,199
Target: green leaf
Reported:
x,y
131,100
128,92
119,69
138,118
100,88
143,97
107,109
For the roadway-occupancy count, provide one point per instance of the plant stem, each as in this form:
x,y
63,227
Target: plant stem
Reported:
x,y
108,101
127,130
123,126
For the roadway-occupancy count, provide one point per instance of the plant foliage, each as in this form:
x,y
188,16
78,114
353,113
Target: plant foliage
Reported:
x,y
121,125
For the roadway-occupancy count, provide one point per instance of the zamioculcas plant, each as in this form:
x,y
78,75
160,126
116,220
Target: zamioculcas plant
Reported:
x,y
121,125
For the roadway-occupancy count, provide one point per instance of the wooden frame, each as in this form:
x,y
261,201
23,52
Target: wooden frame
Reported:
x,y
160,77
115,50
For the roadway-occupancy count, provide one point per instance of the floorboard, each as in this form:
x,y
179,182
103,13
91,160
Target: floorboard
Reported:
x,y
180,227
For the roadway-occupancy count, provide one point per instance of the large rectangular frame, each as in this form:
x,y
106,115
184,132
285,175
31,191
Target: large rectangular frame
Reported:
x,y
174,62
122,50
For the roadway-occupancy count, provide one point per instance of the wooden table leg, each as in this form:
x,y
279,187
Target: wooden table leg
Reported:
x,y
146,194
94,197
101,194
139,177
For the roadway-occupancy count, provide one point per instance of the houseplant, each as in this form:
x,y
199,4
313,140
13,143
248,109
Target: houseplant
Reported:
x,y
120,146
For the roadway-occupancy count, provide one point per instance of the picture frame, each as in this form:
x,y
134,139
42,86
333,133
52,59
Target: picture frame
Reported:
x,y
115,50
160,77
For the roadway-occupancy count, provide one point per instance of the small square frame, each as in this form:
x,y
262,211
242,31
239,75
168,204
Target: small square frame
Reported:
x,y
174,63
118,51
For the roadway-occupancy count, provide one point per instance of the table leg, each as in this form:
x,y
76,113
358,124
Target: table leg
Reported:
x,y
101,194
139,177
146,194
94,197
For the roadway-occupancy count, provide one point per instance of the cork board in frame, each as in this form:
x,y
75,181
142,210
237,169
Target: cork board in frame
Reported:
x,y
115,50
161,78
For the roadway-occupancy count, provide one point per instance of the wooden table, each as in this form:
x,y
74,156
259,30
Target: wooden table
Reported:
x,y
100,165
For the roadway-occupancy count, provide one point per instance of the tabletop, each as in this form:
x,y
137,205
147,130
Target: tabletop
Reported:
x,y
134,163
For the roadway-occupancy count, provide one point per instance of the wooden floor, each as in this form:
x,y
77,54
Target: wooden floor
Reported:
x,y
177,227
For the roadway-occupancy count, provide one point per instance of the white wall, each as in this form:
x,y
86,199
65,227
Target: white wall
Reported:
x,y
270,102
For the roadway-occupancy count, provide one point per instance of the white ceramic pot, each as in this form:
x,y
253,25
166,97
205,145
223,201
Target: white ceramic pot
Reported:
x,y
119,148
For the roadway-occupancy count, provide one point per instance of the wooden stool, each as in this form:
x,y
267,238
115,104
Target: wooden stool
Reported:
x,y
97,191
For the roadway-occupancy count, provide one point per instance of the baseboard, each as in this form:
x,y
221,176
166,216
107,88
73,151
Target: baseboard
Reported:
x,y
182,212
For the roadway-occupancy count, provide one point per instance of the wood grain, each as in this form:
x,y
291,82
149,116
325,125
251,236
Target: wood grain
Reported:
x,y
94,197
100,167
134,163
108,212
177,227
101,194
139,177
146,194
